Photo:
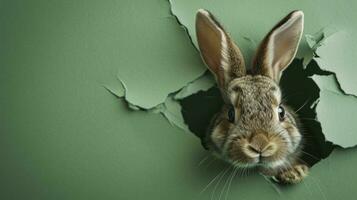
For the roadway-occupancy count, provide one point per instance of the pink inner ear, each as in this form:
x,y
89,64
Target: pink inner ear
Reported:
x,y
285,41
279,47
220,54
209,41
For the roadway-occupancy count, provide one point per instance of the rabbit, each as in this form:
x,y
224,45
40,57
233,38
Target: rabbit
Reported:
x,y
254,128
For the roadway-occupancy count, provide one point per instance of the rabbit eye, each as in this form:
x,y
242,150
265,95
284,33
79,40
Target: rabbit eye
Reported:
x,y
281,112
231,114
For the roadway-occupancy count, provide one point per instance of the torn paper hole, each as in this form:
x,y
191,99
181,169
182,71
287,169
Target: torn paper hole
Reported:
x,y
203,83
300,92
170,109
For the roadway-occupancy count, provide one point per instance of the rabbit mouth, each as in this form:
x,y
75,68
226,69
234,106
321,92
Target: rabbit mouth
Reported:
x,y
268,164
272,164
263,153
238,156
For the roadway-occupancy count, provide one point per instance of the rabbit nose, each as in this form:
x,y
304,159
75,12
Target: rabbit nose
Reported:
x,y
260,146
262,151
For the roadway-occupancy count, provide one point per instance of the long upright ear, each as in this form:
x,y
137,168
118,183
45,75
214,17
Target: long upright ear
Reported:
x,y
279,47
218,51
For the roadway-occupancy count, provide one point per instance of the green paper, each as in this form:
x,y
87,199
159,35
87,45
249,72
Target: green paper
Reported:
x,y
254,19
153,55
337,54
336,112
95,97
203,83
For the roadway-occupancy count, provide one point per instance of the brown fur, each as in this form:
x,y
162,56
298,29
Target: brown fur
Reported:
x,y
257,137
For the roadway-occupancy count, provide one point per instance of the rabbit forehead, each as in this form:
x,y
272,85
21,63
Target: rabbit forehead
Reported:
x,y
254,90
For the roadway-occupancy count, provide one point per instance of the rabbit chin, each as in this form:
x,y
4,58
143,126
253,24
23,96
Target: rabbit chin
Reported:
x,y
256,163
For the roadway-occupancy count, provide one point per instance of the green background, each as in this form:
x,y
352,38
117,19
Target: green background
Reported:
x,y
64,136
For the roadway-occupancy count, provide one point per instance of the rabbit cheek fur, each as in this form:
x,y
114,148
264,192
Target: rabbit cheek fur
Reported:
x,y
254,127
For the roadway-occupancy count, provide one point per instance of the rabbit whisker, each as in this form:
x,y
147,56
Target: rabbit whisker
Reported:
x,y
303,105
312,156
226,182
219,181
230,182
218,175
203,160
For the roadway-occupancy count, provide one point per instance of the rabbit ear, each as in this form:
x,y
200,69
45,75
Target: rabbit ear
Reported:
x,y
279,47
220,54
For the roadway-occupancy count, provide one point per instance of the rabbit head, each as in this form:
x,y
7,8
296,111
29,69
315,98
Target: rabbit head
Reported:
x,y
254,127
